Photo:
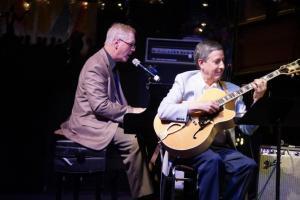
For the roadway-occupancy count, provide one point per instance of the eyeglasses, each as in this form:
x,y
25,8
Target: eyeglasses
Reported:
x,y
132,45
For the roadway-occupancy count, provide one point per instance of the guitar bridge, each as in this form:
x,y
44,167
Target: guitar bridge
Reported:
x,y
203,121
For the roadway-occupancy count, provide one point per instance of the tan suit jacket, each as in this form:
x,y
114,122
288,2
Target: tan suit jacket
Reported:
x,y
97,110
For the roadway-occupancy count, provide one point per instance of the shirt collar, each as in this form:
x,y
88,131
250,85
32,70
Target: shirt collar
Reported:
x,y
205,86
214,85
112,63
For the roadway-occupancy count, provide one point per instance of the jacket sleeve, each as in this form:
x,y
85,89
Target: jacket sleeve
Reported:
x,y
97,89
171,108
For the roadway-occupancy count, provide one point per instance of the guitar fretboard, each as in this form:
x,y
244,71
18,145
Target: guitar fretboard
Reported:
x,y
246,88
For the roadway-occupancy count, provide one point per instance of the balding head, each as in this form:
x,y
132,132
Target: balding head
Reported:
x,y
119,31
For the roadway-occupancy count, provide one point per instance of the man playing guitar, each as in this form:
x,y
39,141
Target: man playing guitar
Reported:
x,y
182,103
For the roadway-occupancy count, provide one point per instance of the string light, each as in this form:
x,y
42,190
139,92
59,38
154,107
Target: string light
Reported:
x,y
120,5
205,4
239,141
102,5
156,1
26,6
85,4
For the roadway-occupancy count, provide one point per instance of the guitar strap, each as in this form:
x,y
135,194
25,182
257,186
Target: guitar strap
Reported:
x,y
227,133
223,86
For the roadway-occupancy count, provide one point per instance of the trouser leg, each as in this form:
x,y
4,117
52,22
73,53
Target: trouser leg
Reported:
x,y
240,170
136,169
208,165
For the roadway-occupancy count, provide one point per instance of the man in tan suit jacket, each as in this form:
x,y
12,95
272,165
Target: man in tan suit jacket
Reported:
x,y
100,105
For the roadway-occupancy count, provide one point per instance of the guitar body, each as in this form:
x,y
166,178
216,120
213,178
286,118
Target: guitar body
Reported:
x,y
189,139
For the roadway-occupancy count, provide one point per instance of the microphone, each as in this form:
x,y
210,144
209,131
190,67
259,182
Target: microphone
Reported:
x,y
137,63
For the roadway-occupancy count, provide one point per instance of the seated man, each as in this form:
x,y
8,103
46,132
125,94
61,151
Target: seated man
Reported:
x,y
99,107
221,158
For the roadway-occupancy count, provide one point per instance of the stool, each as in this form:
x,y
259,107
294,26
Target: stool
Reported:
x,y
190,180
74,160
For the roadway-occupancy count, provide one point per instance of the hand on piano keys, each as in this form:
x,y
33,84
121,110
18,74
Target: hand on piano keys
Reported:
x,y
137,110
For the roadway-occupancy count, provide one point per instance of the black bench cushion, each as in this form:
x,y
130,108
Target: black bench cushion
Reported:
x,y
71,157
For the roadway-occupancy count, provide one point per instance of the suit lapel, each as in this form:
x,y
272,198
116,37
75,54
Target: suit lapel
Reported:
x,y
112,90
197,84
116,89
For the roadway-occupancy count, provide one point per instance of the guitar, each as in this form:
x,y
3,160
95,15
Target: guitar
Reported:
x,y
196,135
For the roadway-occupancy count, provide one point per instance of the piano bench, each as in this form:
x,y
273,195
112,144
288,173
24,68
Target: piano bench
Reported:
x,y
76,163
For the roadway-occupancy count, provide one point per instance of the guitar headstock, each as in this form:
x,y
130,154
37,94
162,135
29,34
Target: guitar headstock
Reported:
x,y
292,68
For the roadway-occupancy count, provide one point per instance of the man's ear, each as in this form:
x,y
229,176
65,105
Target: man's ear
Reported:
x,y
116,44
200,62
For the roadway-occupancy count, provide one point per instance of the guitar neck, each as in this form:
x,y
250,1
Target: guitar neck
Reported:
x,y
246,88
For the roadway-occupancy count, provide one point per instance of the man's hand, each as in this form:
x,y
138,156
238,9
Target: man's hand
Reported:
x,y
207,107
260,87
137,110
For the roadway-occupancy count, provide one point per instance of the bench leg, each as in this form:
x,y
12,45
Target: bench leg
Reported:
x,y
59,180
77,182
99,185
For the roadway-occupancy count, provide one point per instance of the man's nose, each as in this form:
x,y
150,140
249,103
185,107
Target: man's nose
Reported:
x,y
222,65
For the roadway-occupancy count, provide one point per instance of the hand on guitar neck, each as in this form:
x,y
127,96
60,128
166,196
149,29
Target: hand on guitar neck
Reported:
x,y
260,87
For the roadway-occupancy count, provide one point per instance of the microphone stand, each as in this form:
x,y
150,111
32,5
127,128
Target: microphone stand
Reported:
x,y
278,159
153,78
149,82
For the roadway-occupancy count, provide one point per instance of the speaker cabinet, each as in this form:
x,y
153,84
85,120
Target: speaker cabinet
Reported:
x,y
289,173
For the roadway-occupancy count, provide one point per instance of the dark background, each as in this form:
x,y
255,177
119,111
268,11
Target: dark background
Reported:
x,y
39,79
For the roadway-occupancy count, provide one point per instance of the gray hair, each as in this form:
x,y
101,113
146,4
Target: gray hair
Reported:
x,y
118,31
204,48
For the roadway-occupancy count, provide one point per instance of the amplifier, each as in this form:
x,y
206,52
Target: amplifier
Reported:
x,y
289,173
170,51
